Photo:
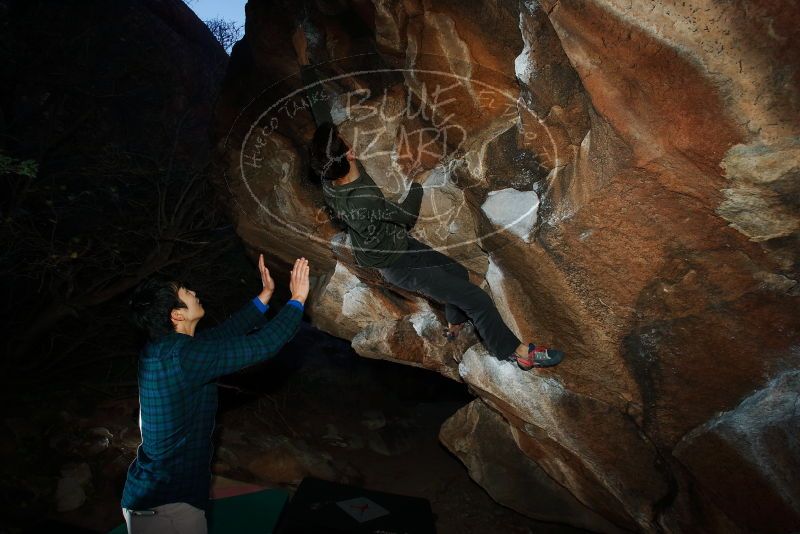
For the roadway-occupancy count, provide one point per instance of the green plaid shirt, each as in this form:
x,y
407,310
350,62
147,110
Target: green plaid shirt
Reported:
x,y
178,402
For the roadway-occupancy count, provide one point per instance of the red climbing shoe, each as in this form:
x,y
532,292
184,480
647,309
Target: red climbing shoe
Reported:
x,y
539,356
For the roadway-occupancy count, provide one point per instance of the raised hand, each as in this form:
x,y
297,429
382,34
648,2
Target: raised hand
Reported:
x,y
298,280
267,283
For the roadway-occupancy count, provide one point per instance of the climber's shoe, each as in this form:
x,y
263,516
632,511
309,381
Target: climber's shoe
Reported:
x,y
539,356
451,333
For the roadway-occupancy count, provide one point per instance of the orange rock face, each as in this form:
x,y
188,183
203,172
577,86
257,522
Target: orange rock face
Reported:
x,y
661,140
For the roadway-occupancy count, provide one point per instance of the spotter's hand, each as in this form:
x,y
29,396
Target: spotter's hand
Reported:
x,y
267,283
298,282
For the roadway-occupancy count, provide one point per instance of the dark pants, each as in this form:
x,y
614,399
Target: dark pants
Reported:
x,y
444,280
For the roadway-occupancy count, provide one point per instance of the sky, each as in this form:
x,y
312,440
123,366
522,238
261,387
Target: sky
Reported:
x,y
224,9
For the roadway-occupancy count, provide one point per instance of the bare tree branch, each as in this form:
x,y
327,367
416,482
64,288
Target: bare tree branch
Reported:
x,y
227,32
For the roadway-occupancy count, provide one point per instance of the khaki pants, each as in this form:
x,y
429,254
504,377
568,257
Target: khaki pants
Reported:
x,y
173,518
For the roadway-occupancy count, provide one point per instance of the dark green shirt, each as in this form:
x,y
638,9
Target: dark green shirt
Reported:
x,y
378,228
178,401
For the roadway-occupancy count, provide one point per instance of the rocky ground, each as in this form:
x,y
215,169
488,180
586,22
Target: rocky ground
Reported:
x,y
318,410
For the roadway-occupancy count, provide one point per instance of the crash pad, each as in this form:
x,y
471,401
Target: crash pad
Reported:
x,y
253,513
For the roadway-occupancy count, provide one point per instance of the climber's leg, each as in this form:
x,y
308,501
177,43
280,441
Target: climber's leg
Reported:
x,y
453,313
424,271
421,255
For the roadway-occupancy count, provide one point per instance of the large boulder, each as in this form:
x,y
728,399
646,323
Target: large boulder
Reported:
x,y
490,448
621,177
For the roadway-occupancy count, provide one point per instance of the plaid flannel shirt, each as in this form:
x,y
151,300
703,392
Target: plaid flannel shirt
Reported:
x,y
178,401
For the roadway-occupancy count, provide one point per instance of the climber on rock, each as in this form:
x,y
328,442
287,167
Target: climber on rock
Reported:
x,y
378,229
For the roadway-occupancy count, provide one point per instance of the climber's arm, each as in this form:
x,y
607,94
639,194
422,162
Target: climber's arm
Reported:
x,y
407,211
367,204
314,92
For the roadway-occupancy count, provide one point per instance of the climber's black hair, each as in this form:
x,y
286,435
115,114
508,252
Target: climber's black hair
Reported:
x,y
152,303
